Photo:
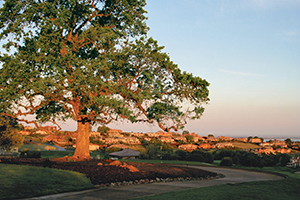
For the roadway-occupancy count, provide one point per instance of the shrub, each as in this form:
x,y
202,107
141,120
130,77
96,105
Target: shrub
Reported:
x,y
152,151
181,154
112,149
30,154
169,155
226,161
200,156
283,159
194,157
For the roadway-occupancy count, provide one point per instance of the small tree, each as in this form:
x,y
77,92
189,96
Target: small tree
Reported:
x,y
152,151
226,161
9,136
103,129
189,139
185,132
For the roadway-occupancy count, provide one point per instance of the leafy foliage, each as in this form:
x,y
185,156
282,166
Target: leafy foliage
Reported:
x,y
226,161
90,61
103,129
9,136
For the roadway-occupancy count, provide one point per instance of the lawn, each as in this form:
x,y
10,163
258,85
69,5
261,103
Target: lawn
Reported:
x,y
56,154
175,162
19,181
37,147
275,190
263,190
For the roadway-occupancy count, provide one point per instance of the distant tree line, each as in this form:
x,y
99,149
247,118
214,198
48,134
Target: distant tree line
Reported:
x,y
227,157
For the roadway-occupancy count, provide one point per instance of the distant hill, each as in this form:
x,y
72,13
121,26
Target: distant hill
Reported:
x,y
242,145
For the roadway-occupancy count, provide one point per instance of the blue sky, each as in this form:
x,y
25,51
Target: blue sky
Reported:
x,y
250,53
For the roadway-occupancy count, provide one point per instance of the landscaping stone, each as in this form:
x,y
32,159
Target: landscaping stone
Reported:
x,y
103,175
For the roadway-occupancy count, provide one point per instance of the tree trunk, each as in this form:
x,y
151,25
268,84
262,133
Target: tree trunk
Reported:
x,y
82,141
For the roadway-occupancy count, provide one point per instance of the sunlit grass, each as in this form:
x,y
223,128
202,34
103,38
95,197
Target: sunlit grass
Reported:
x,y
242,145
175,162
19,181
275,190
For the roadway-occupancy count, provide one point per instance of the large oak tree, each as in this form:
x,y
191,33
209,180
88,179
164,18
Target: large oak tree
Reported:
x,y
90,60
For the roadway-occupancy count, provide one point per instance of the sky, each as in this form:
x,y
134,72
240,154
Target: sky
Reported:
x,y
248,50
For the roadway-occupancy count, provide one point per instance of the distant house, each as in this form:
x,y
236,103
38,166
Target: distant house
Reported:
x,y
223,145
132,134
164,134
294,162
150,134
111,140
129,140
225,138
92,147
266,144
114,133
125,154
24,132
205,146
188,147
281,150
279,143
241,139
255,140
167,139
182,138
265,150
41,132
95,134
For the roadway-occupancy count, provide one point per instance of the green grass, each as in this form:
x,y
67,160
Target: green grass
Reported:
x,y
19,181
290,172
275,190
262,190
242,145
37,146
56,154
175,162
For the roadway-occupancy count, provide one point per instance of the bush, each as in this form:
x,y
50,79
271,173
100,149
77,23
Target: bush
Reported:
x,y
283,159
200,156
169,155
30,154
151,152
181,154
226,161
194,157
112,149
220,154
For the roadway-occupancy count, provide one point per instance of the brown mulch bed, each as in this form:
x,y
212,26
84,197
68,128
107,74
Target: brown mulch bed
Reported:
x,y
108,171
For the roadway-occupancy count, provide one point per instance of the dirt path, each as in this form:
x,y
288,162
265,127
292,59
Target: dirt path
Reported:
x,y
126,192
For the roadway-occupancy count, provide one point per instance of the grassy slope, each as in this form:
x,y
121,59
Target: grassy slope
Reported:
x,y
242,145
21,181
275,190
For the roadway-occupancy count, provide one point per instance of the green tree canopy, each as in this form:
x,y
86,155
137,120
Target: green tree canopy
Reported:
x,y
103,129
189,139
9,136
90,60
